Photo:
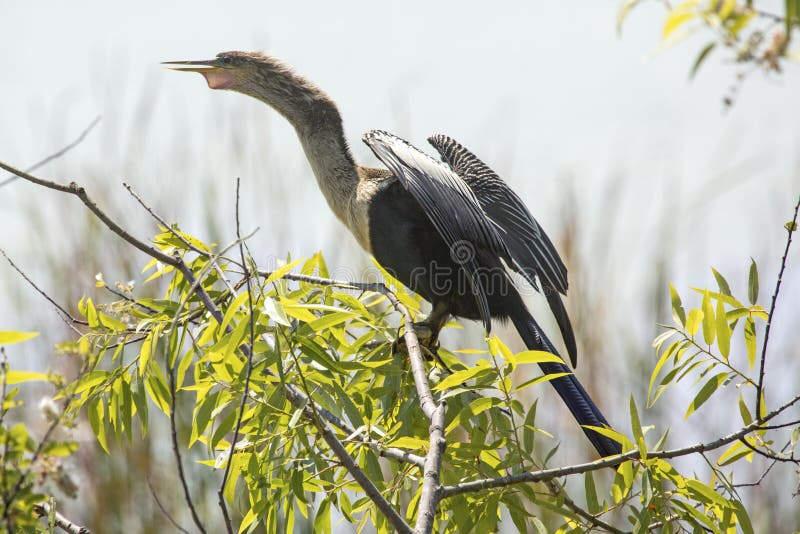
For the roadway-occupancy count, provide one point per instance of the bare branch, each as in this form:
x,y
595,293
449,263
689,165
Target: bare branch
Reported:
x,y
610,461
44,510
58,154
791,228
431,488
164,510
65,314
75,189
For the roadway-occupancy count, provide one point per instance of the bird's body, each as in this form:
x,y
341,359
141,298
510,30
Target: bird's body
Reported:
x,y
450,230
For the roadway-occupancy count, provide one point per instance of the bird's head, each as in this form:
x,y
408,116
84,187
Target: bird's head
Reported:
x,y
266,78
229,70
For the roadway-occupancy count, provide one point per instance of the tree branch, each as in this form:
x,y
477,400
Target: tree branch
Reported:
x,y
431,488
791,228
610,461
44,510
57,154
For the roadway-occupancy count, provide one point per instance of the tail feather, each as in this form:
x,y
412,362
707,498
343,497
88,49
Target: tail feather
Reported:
x,y
568,387
560,313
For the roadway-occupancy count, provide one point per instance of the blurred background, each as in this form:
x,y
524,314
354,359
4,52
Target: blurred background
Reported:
x,y
641,177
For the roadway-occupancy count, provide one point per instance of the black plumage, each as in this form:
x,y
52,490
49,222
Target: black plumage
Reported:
x,y
418,223
449,231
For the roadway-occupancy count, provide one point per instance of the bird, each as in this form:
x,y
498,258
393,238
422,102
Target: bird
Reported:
x,y
449,229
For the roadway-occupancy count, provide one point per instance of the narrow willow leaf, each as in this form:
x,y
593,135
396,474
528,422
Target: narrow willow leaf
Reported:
x,y
282,271
741,516
750,341
724,288
18,377
459,377
705,392
677,307
11,337
680,15
539,380
591,493
636,428
534,356
723,330
693,321
752,282
708,320
744,411
701,57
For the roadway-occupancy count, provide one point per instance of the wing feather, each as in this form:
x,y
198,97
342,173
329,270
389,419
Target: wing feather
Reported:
x,y
450,204
528,244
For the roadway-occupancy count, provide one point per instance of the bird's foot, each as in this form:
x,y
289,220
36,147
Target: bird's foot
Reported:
x,y
428,341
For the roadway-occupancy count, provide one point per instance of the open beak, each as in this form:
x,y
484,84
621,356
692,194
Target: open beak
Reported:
x,y
216,76
192,66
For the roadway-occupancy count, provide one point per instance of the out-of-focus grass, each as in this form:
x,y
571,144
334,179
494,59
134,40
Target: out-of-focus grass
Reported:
x,y
618,276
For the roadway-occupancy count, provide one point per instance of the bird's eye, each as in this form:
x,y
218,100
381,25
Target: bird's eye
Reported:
x,y
226,60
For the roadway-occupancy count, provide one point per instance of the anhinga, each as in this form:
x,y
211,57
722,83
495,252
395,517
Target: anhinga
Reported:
x,y
448,230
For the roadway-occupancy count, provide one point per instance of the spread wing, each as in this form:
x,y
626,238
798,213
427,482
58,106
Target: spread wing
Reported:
x,y
532,251
447,200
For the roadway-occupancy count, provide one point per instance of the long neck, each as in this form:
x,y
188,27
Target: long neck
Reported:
x,y
318,123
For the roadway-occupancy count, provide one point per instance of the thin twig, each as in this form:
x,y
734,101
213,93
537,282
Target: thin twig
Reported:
x,y
759,388
44,509
74,189
60,308
610,461
164,510
58,154
163,222
248,371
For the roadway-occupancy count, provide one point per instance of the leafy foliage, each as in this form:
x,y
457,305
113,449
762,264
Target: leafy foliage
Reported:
x,y
28,464
752,35
148,355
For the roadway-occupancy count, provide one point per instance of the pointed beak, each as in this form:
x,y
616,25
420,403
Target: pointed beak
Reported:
x,y
216,76
193,66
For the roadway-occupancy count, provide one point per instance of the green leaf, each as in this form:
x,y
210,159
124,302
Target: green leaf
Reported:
x,y
705,392
591,493
724,288
282,271
701,57
680,15
744,411
708,320
9,337
96,412
476,407
693,321
752,282
539,380
723,330
459,377
636,428
750,340
677,306
741,512
18,377
534,356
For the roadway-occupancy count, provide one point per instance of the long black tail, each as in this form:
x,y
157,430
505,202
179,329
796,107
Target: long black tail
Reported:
x,y
569,389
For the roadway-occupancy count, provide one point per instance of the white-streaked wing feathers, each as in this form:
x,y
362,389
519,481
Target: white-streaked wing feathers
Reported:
x,y
528,244
450,204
